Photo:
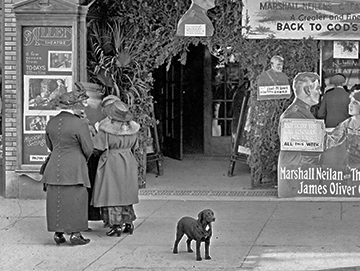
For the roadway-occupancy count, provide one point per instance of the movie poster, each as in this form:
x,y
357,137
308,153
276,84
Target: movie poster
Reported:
x,y
330,163
47,65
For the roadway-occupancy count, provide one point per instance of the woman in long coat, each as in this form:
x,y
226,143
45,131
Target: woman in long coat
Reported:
x,y
116,182
66,175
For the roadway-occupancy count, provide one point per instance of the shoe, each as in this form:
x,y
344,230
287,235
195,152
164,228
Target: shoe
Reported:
x,y
59,238
77,239
129,228
116,229
106,225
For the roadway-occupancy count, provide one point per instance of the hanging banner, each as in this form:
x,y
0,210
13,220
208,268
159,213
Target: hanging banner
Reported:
x,y
297,19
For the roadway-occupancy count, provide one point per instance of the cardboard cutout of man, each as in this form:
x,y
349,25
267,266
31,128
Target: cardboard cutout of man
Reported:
x,y
195,22
273,83
306,86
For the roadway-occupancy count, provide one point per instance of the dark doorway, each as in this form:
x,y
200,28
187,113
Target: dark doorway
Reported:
x,y
193,96
179,104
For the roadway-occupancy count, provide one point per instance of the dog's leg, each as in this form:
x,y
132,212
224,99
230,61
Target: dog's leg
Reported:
x,y
188,243
198,256
179,235
207,246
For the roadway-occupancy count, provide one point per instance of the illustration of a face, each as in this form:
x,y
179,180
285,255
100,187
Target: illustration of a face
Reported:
x,y
314,92
354,106
277,65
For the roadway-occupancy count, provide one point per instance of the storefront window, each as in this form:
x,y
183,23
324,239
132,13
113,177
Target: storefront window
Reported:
x,y
225,83
341,57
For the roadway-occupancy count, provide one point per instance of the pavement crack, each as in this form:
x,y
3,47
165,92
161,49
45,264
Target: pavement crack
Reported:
x,y
341,210
19,218
105,252
257,237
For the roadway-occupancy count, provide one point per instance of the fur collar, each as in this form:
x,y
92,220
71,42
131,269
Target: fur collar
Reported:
x,y
119,128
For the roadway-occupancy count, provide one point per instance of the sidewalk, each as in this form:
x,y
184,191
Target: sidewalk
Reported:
x,y
251,233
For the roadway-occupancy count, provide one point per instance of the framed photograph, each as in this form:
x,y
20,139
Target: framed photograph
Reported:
x,y
35,123
60,61
346,49
39,90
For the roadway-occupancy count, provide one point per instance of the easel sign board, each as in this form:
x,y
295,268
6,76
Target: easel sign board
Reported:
x,y
243,150
302,135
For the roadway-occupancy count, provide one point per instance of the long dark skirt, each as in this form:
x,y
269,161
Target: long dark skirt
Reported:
x,y
67,208
93,212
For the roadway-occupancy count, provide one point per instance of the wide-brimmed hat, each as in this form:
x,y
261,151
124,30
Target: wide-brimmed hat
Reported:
x,y
109,100
115,109
338,79
356,95
69,100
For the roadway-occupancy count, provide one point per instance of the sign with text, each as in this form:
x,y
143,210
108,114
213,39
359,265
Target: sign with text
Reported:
x,y
34,148
273,92
341,57
317,181
302,135
195,30
47,68
332,170
297,19
273,84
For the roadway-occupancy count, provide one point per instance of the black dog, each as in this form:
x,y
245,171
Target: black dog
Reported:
x,y
199,230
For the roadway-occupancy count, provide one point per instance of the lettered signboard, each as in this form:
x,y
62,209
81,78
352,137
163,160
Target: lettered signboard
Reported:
x,y
302,135
318,163
294,19
47,65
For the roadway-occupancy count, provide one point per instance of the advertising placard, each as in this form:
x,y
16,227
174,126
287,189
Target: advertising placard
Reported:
x,y
273,83
341,57
47,64
302,135
298,19
333,171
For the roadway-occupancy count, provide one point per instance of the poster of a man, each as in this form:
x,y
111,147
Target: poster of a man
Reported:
x,y
330,165
195,22
306,86
60,60
273,83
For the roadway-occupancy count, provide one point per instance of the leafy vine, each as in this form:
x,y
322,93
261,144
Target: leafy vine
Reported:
x,y
151,25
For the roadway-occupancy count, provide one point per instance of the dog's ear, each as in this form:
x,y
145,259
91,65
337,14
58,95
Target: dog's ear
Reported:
x,y
201,216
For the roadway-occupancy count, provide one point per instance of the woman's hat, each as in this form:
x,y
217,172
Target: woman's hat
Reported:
x,y
115,109
338,79
69,100
356,95
109,100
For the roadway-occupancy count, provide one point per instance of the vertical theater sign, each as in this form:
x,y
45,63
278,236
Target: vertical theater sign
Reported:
x,y
335,168
47,73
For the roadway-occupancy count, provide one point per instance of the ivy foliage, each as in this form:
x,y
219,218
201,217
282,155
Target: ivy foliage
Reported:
x,y
150,27
263,138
